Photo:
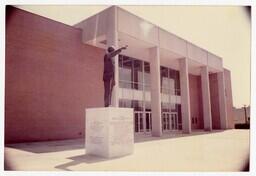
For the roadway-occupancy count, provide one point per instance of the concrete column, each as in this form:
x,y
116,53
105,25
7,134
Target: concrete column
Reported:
x,y
112,40
155,92
206,99
222,100
185,97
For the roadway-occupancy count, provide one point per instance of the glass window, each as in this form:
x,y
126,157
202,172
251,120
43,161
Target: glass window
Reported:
x,y
137,105
138,75
165,82
173,107
131,73
172,74
125,84
120,61
125,72
147,76
177,83
165,107
147,106
125,103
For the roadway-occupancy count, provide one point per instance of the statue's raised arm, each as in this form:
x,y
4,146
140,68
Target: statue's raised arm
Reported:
x,y
112,52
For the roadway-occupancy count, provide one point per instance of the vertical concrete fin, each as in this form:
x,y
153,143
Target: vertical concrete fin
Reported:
x,y
185,97
222,100
155,91
206,98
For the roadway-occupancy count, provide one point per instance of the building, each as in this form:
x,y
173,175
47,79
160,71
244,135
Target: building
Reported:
x,y
241,115
54,71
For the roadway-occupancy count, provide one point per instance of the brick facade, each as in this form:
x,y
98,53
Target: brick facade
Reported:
x,y
51,77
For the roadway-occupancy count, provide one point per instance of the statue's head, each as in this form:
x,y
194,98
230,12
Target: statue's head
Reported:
x,y
111,49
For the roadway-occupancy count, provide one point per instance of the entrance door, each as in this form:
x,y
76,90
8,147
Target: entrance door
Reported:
x,y
169,121
148,122
138,122
142,123
174,121
166,121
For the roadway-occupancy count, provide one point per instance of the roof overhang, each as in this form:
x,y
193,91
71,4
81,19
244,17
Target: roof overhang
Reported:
x,y
141,35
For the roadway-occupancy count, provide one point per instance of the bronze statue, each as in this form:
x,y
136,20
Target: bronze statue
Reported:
x,y
109,73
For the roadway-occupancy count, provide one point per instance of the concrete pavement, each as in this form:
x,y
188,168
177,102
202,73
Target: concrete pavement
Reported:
x,y
200,151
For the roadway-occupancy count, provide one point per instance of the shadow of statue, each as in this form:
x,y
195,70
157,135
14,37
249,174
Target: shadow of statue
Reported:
x,y
82,159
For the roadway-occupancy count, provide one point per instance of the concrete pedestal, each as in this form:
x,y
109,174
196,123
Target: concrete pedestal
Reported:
x,y
109,131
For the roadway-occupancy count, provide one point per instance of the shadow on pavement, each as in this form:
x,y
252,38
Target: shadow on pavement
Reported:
x,y
80,159
174,135
75,144
49,146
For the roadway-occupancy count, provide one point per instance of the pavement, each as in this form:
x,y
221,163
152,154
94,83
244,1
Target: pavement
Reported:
x,y
199,151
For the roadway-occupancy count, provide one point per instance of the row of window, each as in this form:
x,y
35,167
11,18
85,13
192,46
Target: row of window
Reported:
x,y
135,74
137,105
170,81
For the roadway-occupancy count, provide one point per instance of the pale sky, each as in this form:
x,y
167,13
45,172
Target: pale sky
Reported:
x,y
222,30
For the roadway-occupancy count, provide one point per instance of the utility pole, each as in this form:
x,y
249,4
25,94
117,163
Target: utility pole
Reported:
x,y
245,114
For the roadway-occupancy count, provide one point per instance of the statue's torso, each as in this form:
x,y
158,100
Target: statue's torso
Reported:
x,y
108,68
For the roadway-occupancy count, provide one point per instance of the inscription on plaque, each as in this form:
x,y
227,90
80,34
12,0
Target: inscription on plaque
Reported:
x,y
109,131
97,137
120,129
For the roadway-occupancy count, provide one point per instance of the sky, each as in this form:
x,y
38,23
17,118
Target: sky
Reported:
x,y
222,30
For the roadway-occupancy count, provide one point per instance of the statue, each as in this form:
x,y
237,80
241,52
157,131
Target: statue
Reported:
x,y
109,72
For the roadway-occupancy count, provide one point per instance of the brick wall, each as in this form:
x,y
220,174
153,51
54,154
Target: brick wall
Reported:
x,y
50,78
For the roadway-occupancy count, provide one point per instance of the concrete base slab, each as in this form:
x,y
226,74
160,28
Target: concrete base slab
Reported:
x,y
199,151
109,131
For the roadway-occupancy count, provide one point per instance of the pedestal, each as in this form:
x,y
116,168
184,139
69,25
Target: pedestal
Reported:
x,y
109,131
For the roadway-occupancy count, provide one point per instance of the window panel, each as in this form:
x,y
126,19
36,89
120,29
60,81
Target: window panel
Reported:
x,y
147,75
137,105
137,74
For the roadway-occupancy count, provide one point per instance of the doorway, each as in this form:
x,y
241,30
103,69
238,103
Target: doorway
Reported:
x,y
169,121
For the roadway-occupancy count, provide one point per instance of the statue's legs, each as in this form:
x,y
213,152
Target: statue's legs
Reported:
x,y
108,87
112,84
107,92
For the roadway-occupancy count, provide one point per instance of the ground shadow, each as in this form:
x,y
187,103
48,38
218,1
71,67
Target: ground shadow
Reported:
x,y
75,144
49,146
179,134
79,159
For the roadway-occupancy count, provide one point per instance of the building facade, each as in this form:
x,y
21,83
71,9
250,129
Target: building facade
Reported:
x,y
242,115
54,71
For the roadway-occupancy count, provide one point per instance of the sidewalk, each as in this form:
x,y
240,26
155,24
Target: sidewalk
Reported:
x,y
200,151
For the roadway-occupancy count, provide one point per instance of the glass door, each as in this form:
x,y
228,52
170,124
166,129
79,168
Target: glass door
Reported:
x,y
143,123
138,119
169,121
174,121
148,122
166,121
